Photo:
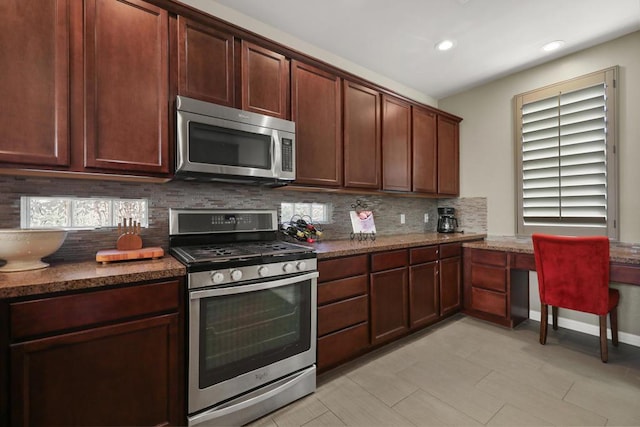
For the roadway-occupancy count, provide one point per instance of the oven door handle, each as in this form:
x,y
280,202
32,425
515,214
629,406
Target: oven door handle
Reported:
x,y
232,290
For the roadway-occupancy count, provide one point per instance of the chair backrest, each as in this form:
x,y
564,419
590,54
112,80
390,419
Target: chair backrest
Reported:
x,y
573,272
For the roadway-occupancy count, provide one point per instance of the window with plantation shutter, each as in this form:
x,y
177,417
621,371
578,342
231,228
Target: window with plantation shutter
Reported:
x,y
566,157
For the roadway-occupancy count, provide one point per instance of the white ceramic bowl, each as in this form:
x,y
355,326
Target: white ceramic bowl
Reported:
x,y
23,249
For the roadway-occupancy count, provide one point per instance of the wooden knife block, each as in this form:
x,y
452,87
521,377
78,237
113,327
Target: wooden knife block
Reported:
x,y
128,242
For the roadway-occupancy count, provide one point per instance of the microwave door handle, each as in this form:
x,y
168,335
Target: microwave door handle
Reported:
x,y
231,290
276,149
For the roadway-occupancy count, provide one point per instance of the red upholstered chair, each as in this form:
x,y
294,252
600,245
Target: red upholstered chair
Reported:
x,y
573,273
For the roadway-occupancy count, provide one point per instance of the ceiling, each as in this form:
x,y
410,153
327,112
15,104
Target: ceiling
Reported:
x,y
493,38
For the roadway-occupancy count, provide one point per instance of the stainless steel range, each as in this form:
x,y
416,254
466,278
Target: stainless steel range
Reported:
x,y
251,314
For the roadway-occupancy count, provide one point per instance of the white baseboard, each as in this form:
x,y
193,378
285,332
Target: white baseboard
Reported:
x,y
586,328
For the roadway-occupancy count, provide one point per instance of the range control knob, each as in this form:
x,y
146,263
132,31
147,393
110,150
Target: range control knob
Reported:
x,y
236,275
301,266
263,271
287,268
217,277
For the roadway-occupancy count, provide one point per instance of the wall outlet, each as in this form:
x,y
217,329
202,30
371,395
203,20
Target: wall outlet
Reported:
x,y
402,219
426,218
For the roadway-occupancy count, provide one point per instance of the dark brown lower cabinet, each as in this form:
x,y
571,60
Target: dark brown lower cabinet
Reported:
x,y
405,290
450,278
424,289
389,292
110,357
343,310
489,290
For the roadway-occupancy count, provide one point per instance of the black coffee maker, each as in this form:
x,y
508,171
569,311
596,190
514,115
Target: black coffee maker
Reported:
x,y
447,221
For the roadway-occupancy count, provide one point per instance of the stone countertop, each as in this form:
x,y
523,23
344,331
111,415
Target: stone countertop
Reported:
x,y
626,253
85,275
71,276
336,248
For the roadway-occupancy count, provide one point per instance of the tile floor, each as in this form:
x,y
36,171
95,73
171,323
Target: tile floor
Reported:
x,y
467,372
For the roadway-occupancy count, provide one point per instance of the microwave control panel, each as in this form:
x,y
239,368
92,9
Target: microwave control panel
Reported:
x,y
287,155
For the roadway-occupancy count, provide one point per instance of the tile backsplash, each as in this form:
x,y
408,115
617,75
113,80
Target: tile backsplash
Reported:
x,y
83,244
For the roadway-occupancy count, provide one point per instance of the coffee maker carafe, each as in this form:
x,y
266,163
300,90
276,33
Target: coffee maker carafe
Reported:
x,y
447,222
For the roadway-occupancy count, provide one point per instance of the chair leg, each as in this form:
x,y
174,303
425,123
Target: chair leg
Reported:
x,y
543,324
604,351
554,315
613,315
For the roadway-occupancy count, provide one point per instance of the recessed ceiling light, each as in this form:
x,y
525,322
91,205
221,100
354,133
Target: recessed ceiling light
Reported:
x,y
445,45
554,45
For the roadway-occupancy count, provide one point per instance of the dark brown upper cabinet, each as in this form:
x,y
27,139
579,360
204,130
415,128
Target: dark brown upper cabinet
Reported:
x,y
425,151
361,136
265,81
126,86
316,108
448,156
85,87
205,63
396,144
34,53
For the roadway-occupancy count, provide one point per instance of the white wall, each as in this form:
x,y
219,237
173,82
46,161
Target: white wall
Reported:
x,y
216,9
487,155
487,134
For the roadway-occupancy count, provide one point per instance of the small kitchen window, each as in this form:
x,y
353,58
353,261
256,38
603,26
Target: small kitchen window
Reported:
x,y
566,158
318,212
80,213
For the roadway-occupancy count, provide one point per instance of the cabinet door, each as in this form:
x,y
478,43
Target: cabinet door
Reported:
x,y
448,157
316,109
265,81
389,304
425,151
34,53
396,144
126,84
424,304
361,136
205,63
122,374
450,285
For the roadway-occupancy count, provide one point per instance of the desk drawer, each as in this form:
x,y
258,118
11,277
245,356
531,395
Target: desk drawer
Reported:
x,y
341,289
342,314
484,276
489,257
489,301
523,262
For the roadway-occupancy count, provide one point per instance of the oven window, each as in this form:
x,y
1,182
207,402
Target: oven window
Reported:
x,y
243,332
221,146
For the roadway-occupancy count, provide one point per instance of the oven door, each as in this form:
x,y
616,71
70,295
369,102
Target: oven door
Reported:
x,y
244,336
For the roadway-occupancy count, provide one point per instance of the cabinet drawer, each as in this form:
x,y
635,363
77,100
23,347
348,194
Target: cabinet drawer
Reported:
x,y
523,262
489,257
341,289
342,314
489,301
338,268
424,254
450,250
47,315
387,260
488,277
342,346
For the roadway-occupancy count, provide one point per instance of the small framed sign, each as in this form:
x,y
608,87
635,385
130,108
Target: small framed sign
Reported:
x,y
362,222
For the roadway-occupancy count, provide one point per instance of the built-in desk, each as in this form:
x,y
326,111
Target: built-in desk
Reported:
x,y
496,276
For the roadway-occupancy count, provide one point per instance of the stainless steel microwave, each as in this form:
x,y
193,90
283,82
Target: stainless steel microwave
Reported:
x,y
218,143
